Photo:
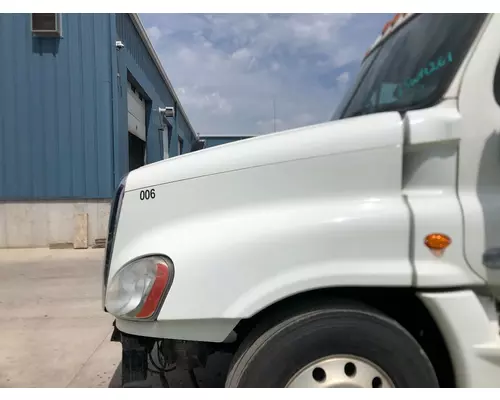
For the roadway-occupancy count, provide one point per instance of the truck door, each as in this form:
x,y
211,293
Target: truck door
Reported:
x,y
479,162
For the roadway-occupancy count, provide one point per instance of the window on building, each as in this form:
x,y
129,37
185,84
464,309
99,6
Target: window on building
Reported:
x,y
46,24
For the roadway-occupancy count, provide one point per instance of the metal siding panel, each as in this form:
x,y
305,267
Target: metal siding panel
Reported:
x,y
35,100
121,138
186,133
2,151
90,110
136,48
64,121
49,101
56,125
115,104
7,67
175,135
20,100
186,144
75,135
140,65
104,105
184,128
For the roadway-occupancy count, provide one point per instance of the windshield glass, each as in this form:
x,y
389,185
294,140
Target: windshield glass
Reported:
x,y
412,67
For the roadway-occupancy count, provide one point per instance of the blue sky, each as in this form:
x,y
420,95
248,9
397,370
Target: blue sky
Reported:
x,y
227,69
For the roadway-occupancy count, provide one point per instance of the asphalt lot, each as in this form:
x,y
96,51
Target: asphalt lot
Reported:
x,y
53,332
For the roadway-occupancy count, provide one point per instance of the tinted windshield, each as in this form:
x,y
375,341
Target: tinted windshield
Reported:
x,y
413,67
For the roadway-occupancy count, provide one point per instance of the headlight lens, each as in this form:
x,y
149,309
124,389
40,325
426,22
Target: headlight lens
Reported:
x,y
137,290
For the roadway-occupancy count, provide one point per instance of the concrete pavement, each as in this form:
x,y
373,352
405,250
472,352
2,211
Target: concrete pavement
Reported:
x,y
53,332
51,323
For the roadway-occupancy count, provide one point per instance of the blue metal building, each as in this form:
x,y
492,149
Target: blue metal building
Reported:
x,y
211,141
83,100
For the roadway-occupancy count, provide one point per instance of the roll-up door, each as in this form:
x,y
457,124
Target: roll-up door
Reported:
x,y
136,113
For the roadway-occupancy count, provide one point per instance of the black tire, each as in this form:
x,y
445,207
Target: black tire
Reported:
x,y
270,359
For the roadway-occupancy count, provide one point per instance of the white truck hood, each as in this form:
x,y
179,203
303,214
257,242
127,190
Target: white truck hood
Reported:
x,y
349,135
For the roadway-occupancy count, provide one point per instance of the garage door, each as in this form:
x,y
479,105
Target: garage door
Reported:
x,y
136,113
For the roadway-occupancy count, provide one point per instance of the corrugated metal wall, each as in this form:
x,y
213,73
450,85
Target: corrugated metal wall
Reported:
x,y
185,133
134,62
56,109
63,107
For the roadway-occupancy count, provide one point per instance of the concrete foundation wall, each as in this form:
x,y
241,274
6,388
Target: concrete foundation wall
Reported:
x,y
41,224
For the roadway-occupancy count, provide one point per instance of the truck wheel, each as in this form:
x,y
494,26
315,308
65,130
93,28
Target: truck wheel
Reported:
x,y
333,347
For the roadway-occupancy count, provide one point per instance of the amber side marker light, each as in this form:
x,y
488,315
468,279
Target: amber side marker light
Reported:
x,y
437,243
156,293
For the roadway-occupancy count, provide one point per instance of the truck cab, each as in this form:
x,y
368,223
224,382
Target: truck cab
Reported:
x,y
359,252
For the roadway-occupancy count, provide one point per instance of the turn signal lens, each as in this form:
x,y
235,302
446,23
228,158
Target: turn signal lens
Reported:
x,y
437,241
155,295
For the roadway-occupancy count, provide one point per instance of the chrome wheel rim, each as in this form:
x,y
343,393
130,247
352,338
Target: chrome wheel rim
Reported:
x,y
343,371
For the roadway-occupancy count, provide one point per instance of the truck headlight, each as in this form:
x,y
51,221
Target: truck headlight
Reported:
x,y
139,288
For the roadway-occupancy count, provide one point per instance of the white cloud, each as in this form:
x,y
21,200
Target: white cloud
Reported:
x,y
343,77
302,119
201,100
228,69
154,33
241,54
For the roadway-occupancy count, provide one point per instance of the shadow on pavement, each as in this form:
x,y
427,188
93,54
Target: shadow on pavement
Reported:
x,y
116,379
213,376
